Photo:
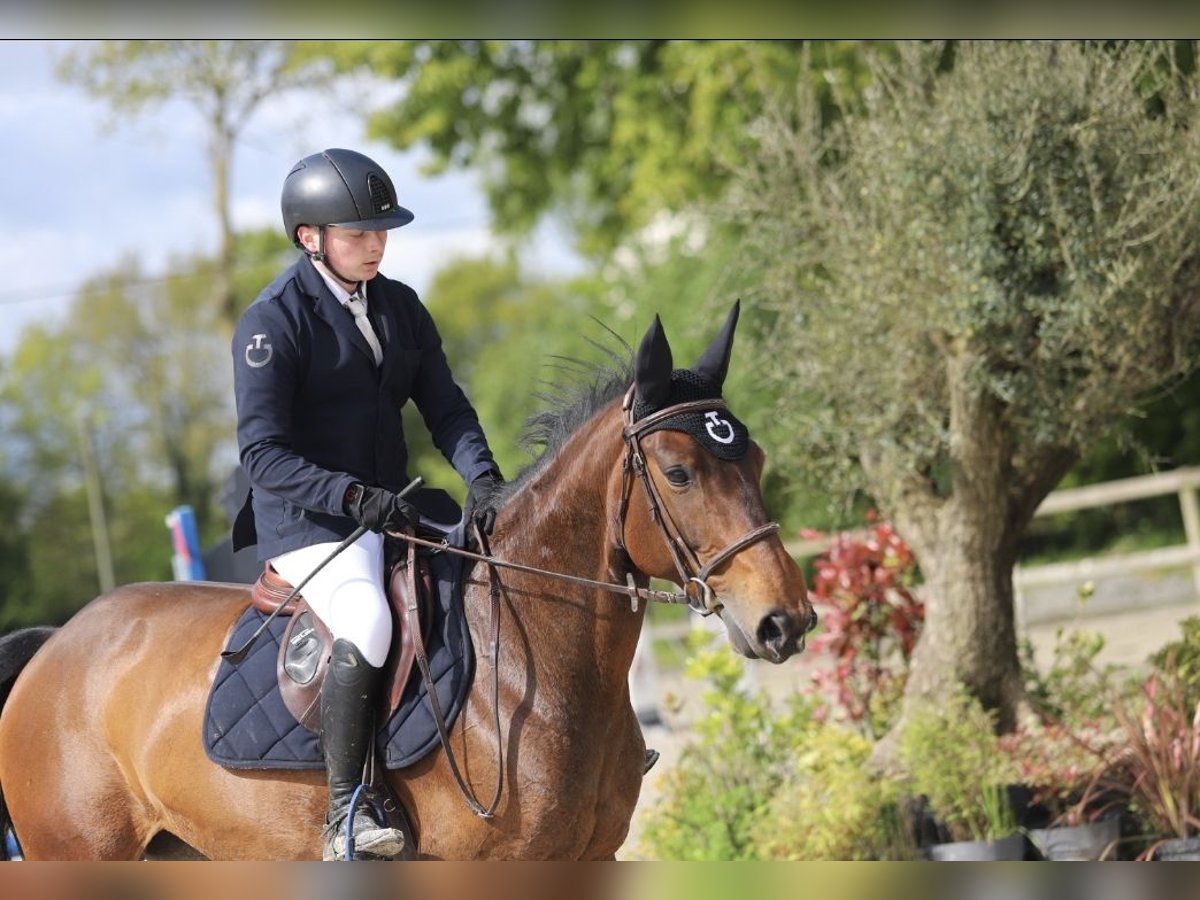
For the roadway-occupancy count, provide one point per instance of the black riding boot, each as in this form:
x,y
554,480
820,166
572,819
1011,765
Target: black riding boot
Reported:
x,y
347,697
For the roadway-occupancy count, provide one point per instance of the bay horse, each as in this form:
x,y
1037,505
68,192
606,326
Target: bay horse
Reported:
x,y
100,736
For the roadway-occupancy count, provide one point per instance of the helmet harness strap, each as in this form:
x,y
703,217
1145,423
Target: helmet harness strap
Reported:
x,y
318,255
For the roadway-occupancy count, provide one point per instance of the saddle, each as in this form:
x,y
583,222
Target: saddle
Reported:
x,y
305,648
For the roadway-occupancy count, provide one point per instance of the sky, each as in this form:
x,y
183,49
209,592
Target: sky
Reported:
x,y
83,190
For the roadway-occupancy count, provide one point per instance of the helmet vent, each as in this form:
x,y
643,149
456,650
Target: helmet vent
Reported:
x,y
381,197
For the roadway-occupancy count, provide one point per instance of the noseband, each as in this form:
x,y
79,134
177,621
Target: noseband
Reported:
x,y
691,572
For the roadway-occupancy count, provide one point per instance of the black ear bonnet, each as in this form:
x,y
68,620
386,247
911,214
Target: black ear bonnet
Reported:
x,y
718,430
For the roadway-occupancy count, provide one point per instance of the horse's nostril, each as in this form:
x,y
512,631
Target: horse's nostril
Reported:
x,y
812,620
776,629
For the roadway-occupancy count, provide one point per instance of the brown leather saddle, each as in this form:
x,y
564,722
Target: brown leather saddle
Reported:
x,y
305,648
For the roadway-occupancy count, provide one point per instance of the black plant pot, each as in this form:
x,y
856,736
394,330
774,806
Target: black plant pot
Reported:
x,y
1090,841
1010,848
1178,850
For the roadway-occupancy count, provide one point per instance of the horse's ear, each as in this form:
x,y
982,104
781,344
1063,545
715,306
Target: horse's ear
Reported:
x,y
714,362
652,368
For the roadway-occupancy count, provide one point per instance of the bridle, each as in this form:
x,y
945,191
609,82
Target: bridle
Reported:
x,y
691,571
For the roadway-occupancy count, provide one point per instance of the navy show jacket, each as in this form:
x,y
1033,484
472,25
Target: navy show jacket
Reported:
x,y
315,414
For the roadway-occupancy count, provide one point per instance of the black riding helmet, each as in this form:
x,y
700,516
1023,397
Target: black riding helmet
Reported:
x,y
340,187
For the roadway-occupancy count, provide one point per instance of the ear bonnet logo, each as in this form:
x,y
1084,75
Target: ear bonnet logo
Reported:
x,y
718,431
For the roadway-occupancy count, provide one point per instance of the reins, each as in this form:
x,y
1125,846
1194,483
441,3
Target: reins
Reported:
x,y
630,590
687,563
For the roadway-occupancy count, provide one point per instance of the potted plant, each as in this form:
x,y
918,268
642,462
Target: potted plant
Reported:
x,y
1057,764
953,759
1155,764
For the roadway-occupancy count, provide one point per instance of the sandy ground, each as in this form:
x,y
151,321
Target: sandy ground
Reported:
x,y
1129,638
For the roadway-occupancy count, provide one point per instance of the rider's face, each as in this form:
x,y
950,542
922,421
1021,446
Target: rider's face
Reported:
x,y
352,252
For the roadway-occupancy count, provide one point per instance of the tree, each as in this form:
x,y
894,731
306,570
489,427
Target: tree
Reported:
x,y
512,340
972,281
226,81
608,133
144,364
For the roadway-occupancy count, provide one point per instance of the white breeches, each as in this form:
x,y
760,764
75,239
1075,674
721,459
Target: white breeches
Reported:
x,y
348,593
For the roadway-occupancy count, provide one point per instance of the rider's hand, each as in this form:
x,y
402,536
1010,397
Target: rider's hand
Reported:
x,y
379,509
483,499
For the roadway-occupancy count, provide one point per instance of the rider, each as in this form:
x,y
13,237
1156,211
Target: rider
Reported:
x,y
319,386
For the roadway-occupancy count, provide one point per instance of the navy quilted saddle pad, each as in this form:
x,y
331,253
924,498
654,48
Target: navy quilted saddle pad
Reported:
x,y
247,726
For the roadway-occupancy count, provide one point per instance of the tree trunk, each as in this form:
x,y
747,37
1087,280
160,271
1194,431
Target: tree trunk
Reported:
x,y
966,545
222,159
969,635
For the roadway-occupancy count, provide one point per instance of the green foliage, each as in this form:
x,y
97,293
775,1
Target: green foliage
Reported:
x,y
741,753
608,132
225,81
1073,690
226,78
761,781
1059,755
1182,657
15,572
501,333
142,365
259,256
513,340
988,231
61,563
831,807
973,279
953,757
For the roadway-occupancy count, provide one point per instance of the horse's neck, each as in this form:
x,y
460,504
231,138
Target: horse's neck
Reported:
x,y
561,521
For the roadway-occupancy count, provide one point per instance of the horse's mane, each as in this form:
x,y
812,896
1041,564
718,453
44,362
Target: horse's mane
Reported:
x,y
571,401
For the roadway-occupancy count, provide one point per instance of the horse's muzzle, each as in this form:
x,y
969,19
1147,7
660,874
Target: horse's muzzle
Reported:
x,y
781,633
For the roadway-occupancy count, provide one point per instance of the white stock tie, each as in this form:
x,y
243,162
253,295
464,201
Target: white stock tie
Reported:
x,y
359,309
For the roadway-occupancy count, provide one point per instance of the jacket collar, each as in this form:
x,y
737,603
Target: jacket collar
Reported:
x,y
339,319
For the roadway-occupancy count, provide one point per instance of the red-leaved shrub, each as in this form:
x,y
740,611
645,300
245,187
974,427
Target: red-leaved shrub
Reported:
x,y
862,586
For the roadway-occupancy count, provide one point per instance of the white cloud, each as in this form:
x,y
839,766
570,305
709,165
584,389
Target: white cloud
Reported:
x,y
79,197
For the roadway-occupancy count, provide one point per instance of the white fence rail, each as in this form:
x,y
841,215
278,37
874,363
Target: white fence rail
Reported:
x,y
1086,572
1079,573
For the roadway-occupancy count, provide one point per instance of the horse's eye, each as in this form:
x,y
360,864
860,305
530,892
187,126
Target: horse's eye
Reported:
x,y
678,476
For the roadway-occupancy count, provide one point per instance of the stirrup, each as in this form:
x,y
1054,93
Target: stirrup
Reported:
x,y
369,841
355,834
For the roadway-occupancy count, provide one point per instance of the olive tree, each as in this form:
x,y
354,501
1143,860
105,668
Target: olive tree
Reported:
x,y
973,279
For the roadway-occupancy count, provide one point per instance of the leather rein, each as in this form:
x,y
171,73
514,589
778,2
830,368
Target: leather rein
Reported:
x,y
690,569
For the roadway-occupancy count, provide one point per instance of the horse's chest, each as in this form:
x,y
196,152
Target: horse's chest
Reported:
x,y
582,807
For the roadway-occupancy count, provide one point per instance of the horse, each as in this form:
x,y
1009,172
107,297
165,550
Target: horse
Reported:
x,y
100,736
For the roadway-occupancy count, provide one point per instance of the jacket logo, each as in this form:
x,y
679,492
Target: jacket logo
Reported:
x,y
714,423
258,354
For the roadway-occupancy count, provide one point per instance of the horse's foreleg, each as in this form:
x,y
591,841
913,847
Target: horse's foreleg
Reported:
x,y
621,775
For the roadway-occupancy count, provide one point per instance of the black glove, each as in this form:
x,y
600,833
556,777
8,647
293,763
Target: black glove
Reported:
x,y
482,500
379,509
